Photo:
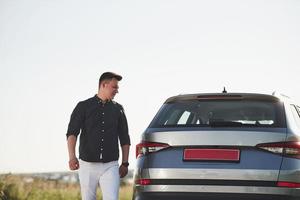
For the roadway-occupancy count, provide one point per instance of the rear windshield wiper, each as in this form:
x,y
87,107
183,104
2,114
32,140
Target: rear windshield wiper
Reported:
x,y
225,124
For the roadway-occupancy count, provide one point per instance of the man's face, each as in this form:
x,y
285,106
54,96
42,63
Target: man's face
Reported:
x,y
111,88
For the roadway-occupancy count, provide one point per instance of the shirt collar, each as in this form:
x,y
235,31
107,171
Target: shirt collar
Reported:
x,y
100,100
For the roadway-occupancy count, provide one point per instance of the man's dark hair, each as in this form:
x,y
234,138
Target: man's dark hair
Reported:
x,y
108,76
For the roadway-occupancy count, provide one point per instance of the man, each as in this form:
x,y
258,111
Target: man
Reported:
x,y
100,122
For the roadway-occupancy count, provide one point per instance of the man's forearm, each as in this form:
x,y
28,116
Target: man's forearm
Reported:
x,y
125,152
71,146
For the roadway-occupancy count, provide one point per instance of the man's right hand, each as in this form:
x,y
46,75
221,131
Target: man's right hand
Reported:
x,y
73,164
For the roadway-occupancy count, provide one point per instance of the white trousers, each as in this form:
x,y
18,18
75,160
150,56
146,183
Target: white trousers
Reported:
x,y
106,175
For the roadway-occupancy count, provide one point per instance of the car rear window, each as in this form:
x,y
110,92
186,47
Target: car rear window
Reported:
x,y
220,113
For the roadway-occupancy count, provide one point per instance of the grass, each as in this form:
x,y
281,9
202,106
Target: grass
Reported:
x,y
18,187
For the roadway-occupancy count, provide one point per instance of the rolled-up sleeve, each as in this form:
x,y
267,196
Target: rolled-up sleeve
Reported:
x,y
123,129
76,120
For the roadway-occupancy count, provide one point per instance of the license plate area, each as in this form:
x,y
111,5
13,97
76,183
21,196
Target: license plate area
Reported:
x,y
211,154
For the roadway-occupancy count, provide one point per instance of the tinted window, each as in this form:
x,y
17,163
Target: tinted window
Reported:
x,y
230,113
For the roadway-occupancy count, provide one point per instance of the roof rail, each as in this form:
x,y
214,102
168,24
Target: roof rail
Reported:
x,y
277,94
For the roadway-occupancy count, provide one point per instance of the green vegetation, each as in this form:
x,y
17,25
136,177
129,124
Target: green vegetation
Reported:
x,y
17,187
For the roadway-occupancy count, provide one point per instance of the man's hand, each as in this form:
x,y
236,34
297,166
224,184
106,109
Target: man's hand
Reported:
x,y
123,170
73,164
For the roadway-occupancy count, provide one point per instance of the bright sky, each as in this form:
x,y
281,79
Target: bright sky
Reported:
x,y
53,52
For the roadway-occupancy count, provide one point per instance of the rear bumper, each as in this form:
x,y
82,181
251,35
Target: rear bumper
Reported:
x,y
214,192
208,196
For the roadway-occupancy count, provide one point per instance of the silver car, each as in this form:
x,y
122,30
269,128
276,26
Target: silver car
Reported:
x,y
229,146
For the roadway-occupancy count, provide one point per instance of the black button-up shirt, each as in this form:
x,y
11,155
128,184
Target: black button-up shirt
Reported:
x,y
100,125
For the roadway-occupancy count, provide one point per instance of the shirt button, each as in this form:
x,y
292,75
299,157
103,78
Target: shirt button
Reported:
x,y
102,130
101,149
102,122
103,113
102,140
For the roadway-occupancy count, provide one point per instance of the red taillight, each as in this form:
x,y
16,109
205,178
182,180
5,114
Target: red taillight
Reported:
x,y
288,184
291,149
143,181
149,147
